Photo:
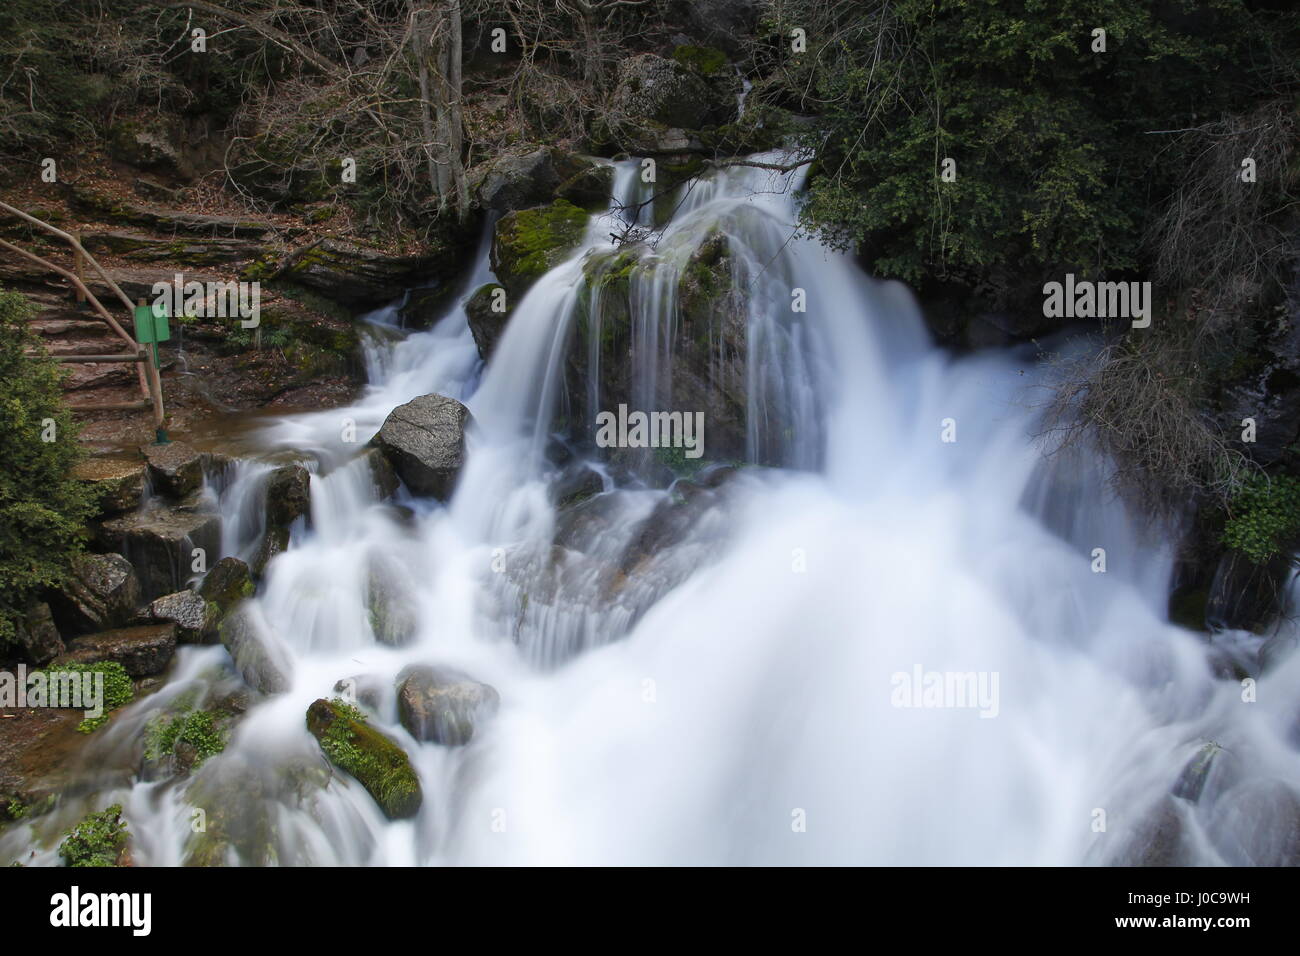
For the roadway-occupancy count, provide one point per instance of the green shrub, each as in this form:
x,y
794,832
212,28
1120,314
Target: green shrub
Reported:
x,y
196,728
1060,151
43,510
98,840
1264,517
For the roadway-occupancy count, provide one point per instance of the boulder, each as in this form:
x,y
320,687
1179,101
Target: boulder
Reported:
x,y
425,442
274,542
194,617
664,91
519,180
255,651
37,636
591,188
101,593
377,762
486,323
160,543
529,243
389,605
710,344
148,147
288,495
356,275
442,705
1257,823
425,306
141,650
381,473
1245,595
117,484
175,469
226,585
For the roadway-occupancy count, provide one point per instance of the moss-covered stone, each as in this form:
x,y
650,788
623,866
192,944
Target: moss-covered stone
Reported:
x,y
530,242
704,60
378,764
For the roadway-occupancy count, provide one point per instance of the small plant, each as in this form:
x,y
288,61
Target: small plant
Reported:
x,y
196,728
1264,517
98,840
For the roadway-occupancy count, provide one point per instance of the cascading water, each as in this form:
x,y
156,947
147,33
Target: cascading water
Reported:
x,y
730,694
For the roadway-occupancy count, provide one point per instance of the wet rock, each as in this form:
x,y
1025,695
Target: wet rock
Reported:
x,y
442,705
274,542
368,690
160,544
487,324
377,762
520,180
143,650
381,473
1158,839
176,469
356,275
242,802
1245,595
1258,824
425,443
529,243
194,617
38,638
425,306
227,584
389,605
664,91
590,188
1274,651
118,485
288,495
101,593
1210,771
577,483
255,651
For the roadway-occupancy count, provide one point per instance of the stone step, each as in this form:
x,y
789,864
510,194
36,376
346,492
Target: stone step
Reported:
x,y
208,251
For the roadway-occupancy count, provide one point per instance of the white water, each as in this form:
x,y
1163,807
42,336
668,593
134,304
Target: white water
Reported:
x,y
740,680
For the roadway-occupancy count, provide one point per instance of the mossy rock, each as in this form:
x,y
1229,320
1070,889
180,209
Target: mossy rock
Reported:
x,y
531,242
378,763
228,583
704,60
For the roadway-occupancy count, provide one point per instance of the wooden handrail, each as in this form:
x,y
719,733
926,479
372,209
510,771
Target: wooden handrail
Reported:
x,y
150,380
77,247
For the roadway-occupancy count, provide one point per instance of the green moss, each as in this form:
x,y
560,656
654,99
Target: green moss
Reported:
x,y
118,690
378,764
704,60
1264,517
98,840
532,241
197,728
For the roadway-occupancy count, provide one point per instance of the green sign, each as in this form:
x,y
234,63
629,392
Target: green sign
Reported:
x,y
151,324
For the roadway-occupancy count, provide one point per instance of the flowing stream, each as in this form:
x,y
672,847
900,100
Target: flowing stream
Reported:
x,y
735,697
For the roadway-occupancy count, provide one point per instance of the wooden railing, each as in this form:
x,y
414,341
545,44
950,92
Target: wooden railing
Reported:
x,y
134,352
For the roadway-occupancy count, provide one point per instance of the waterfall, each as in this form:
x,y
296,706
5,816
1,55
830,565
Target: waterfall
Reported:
x,y
746,690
